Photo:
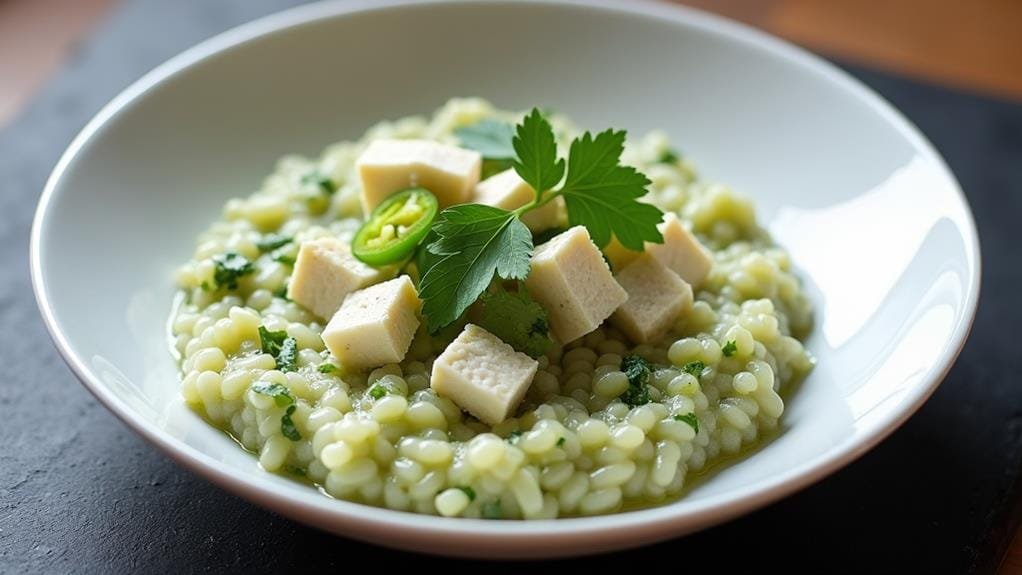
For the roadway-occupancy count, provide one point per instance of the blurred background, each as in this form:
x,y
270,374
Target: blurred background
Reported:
x,y
967,44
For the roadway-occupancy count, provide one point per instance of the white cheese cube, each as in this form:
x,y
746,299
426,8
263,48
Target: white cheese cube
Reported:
x,y
389,166
680,252
571,280
507,190
326,272
375,325
656,297
483,375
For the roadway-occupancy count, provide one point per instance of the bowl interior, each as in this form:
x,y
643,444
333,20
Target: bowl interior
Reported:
x,y
871,216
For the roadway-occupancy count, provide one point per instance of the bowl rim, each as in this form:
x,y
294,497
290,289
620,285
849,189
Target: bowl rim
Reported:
x,y
668,519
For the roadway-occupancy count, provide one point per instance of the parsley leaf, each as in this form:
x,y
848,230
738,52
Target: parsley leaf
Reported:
x,y
287,426
694,367
270,242
229,267
729,348
637,370
474,243
471,493
377,391
280,394
490,138
326,368
536,153
601,194
517,320
689,418
284,349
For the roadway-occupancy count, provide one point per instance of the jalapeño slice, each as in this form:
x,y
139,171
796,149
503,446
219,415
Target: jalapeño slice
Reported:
x,y
395,227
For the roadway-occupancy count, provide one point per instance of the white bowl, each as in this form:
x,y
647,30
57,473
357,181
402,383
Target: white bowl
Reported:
x,y
870,213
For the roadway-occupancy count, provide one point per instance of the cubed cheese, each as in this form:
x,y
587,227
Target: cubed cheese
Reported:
x,y
656,297
483,375
375,325
389,166
509,191
326,272
681,252
571,280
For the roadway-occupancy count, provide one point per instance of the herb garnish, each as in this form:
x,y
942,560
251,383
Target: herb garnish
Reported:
x,y
729,348
560,442
492,510
490,138
637,370
326,368
325,184
517,320
287,426
229,267
471,493
282,397
694,368
668,156
690,419
469,244
284,349
270,242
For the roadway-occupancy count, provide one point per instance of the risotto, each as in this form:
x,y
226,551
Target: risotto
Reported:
x,y
667,366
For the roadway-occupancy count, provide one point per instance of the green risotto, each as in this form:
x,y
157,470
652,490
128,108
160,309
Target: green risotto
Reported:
x,y
491,314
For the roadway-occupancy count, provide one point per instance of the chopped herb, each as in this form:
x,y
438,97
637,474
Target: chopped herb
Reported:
x,y
638,371
668,156
280,394
512,437
271,341
490,138
294,470
270,242
229,267
469,491
517,320
491,510
560,442
689,418
729,348
475,242
284,349
377,391
287,426
205,286
326,368
283,257
694,367
325,184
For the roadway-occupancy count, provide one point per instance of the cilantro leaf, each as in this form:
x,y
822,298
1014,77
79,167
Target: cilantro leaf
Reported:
x,y
689,418
601,194
326,368
536,153
474,243
270,242
280,394
284,349
229,267
730,348
517,320
668,156
638,371
490,138
287,425
471,493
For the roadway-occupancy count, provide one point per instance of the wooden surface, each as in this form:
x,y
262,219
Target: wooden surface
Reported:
x,y
973,45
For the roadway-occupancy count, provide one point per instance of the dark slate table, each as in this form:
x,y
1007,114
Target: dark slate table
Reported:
x,y
79,492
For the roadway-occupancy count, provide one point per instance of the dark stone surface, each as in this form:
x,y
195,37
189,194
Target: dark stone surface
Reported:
x,y
80,493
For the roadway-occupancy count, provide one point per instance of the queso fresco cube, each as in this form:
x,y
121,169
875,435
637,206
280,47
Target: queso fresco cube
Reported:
x,y
680,252
325,273
656,297
508,191
483,375
571,280
389,166
374,326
